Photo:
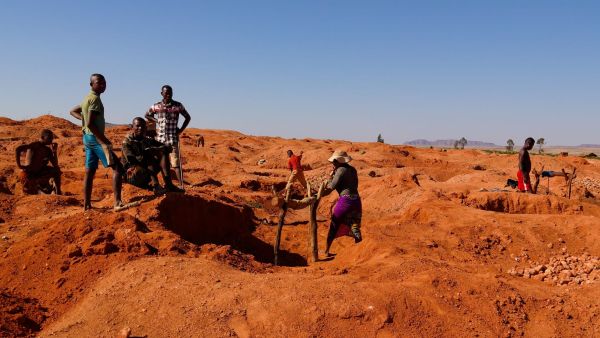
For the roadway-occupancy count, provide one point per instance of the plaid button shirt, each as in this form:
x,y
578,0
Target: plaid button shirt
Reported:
x,y
167,117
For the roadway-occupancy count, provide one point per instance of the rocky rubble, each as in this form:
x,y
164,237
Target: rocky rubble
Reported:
x,y
563,270
591,185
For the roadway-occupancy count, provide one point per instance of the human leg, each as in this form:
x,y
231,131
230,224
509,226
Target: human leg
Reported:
x,y
165,165
302,180
91,164
88,181
117,181
57,182
174,161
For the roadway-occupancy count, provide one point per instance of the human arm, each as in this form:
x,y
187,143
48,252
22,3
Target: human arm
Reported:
x,y
92,127
54,157
186,121
150,115
76,112
332,184
18,152
130,154
521,160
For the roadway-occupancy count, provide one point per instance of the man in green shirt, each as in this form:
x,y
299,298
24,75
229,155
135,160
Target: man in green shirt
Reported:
x,y
97,146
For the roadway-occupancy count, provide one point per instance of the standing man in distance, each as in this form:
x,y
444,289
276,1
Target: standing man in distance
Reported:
x,y
296,171
167,113
524,182
97,146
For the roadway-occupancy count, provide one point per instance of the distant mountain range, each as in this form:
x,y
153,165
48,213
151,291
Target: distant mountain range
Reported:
x,y
448,143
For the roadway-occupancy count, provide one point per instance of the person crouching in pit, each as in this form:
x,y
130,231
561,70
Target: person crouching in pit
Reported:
x,y
347,213
144,157
36,176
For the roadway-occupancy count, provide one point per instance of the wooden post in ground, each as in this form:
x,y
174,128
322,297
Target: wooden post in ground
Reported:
x,y
314,246
278,234
571,177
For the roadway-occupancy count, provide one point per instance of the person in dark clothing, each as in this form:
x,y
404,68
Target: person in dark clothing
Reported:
x,y
347,213
143,158
524,182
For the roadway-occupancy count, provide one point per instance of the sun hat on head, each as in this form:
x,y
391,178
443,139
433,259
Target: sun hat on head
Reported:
x,y
340,156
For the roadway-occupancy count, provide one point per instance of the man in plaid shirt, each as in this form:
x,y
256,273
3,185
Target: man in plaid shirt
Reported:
x,y
167,113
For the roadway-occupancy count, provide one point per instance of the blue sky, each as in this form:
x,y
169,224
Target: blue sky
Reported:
x,y
486,70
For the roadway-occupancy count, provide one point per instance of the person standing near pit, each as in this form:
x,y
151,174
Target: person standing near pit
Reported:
x,y
167,113
524,182
98,147
296,172
346,215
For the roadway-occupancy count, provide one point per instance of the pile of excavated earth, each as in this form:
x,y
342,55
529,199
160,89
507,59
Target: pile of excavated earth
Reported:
x,y
447,251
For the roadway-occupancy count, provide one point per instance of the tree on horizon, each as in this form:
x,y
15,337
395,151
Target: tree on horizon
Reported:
x,y
380,139
462,142
510,144
540,143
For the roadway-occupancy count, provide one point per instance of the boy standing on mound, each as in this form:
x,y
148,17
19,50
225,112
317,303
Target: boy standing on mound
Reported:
x,y
524,182
97,146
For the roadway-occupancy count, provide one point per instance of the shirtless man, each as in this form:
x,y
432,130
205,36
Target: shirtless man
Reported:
x,y
525,167
37,175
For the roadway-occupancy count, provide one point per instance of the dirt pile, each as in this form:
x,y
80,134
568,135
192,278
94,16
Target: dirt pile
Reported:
x,y
20,316
522,203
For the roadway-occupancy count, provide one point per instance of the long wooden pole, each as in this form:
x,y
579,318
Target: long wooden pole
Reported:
x,y
278,234
571,181
314,245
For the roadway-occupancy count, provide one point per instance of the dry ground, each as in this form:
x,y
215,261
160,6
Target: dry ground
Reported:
x,y
446,252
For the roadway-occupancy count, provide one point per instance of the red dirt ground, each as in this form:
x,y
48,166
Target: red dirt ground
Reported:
x,y
444,253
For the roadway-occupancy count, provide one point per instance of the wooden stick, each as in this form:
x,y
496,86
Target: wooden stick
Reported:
x,y
278,234
572,176
313,225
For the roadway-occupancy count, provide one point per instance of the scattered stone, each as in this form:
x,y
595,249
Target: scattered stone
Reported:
x,y
563,270
431,244
74,251
124,333
253,185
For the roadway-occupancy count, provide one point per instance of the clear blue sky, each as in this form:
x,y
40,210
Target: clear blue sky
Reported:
x,y
486,70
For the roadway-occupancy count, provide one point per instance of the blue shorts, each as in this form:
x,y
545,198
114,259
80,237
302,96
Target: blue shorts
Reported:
x,y
94,152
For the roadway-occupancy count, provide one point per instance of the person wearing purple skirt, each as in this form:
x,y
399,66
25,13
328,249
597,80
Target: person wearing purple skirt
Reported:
x,y
347,213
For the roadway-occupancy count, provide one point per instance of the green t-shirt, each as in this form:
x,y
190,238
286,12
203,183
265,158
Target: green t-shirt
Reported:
x,y
90,103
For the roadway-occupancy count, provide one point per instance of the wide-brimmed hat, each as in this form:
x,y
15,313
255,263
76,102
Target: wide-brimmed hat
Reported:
x,y
340,156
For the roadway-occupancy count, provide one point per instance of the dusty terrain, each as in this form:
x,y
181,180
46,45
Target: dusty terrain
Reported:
x,y
446,252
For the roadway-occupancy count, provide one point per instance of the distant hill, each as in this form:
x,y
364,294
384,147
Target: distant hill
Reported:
x,y
110,125
589,145
448,143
